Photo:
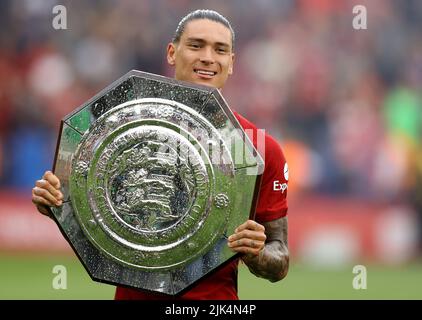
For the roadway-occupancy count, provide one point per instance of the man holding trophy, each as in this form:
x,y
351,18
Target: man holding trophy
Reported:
x,y
202,52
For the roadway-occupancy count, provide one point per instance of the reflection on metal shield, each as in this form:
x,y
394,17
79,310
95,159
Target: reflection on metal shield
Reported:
x,y
156,174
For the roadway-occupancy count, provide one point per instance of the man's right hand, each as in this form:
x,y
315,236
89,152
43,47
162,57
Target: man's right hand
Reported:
x,y
46,193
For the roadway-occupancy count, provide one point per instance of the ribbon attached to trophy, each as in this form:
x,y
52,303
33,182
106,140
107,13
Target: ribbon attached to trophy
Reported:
x,y
156,174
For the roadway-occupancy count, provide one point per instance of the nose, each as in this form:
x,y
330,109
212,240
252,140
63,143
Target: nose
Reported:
x,y
207,56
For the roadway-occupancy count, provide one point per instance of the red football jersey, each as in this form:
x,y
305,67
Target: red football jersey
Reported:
x,y
272,204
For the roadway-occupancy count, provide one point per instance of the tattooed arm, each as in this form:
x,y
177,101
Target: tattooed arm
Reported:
x,y
265,247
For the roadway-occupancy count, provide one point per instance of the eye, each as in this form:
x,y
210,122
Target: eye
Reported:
x,y
221,50
194,45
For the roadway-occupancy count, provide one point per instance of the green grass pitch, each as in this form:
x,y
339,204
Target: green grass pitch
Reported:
x,y
31,277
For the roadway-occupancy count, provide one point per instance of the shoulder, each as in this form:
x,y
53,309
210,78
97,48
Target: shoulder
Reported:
x,y
274,154
272,201
245,123
267,146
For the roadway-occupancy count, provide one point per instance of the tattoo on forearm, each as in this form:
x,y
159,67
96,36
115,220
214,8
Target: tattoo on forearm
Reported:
x,y
273,261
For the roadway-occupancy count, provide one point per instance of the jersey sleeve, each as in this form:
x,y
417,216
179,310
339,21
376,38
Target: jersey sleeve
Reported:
x,y
272,201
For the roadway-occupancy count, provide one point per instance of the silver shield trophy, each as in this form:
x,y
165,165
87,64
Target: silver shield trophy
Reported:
x,y
156,175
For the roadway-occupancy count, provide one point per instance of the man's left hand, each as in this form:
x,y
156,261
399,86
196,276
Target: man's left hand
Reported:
x,y
249,238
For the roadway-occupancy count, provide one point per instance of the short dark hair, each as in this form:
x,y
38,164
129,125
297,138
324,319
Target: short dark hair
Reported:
x,y
201,14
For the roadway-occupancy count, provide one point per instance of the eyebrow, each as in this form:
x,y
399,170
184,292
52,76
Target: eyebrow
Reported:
x,y
200,40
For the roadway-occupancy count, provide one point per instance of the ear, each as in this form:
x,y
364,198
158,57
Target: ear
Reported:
x,y
171,54
231,65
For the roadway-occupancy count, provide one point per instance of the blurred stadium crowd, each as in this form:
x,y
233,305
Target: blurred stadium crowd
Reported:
x,y
345,104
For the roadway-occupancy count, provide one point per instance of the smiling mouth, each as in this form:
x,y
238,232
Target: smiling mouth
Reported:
x,y
205,73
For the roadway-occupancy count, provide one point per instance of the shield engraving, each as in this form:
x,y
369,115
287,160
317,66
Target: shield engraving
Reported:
x,y
156,174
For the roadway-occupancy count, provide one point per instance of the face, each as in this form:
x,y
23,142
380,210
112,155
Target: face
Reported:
x,y
204,54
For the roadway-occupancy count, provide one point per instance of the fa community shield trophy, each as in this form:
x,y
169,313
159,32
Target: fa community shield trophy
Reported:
x,y
156,175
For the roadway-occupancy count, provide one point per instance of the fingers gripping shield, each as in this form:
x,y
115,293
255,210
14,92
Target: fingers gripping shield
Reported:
x,y
156,174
